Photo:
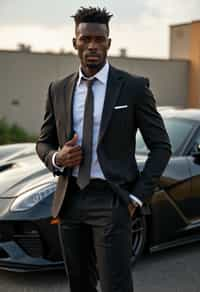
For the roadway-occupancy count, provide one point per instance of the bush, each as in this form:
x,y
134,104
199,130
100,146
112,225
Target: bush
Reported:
x,y
13,134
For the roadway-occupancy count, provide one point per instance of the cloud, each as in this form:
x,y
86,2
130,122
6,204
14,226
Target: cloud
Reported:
x,y
51,13
140,26
44,39
175,10
34,12
137,42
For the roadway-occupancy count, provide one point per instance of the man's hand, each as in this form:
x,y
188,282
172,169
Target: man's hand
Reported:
x,y
70,155
131,209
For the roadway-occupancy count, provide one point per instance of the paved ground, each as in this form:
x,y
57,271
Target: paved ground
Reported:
x,y
175,270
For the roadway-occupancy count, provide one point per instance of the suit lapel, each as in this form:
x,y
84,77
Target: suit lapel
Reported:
x,y
68,102
114,85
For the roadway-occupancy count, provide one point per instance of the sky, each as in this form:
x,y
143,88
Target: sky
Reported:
x,y
140,26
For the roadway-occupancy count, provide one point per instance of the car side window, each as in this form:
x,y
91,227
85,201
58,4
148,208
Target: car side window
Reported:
x,y
197,138
196,142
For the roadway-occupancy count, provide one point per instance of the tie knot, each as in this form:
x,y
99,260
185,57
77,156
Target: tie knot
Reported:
x,y
89,82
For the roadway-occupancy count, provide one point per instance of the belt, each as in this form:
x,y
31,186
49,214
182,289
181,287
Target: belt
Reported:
x,y
94,182
102,183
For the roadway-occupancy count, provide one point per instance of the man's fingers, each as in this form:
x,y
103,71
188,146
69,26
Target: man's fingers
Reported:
x,y
73,156
131,209
74,149
74,162
69,158
71,153
69,149
73,141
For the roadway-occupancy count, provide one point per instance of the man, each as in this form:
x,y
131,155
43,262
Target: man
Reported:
x,y
92,117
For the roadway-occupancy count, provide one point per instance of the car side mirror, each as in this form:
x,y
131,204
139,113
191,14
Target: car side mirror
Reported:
x,y
196,151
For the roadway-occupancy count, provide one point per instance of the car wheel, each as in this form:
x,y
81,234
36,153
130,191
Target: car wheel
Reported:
x,y
138,236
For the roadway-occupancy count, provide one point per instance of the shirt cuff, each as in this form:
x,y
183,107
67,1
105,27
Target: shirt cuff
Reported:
x,y
60,168
135,200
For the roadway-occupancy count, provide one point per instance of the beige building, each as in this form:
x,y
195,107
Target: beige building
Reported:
x,y
185,44
25,76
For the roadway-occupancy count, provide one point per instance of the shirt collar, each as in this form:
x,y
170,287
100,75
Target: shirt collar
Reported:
x,y
101,75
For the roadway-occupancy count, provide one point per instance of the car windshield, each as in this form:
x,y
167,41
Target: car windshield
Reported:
x,y
177,129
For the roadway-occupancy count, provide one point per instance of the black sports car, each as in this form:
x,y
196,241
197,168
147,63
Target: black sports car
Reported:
x,y
29,240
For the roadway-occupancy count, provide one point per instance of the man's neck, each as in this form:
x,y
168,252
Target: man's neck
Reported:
x,y
89,72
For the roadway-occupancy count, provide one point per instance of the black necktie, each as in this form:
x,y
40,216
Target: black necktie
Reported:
x,y
85,166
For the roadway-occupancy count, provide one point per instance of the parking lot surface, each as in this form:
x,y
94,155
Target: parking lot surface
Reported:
x,y
174,270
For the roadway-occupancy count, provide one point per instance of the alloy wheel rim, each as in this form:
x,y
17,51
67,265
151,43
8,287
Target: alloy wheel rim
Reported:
x,y
137,235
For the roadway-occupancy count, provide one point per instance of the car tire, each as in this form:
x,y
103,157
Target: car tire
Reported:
x,y
138,236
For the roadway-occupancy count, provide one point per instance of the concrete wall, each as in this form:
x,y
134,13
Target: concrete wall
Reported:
x,y
24,80
168,79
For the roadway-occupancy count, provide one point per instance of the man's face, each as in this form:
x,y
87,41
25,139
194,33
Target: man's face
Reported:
x,y
92,44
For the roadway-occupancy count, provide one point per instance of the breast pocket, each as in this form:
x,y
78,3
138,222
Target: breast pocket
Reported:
x,y
118,125
120,117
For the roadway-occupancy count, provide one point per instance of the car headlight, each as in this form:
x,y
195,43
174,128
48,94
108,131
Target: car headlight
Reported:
x,y
32,197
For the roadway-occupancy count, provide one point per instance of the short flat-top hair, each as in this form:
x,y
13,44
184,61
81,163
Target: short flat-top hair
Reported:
x,y
92,14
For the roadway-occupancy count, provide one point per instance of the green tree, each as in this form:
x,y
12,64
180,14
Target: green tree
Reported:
x,y
13,134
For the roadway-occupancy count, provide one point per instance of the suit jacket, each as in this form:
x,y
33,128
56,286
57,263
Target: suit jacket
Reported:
x,y
116,142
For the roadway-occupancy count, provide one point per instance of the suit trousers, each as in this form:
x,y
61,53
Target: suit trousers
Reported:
x,y
95,235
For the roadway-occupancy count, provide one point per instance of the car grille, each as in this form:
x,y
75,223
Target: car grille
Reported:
x,y
29,240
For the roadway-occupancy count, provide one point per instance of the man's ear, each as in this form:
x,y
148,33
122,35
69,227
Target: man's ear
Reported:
x,y
74,43
109,43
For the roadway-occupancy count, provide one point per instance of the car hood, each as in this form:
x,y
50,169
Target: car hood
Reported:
x,y
19,176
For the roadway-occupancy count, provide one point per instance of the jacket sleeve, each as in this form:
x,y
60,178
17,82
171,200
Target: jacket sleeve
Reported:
x,y
47,142
151,126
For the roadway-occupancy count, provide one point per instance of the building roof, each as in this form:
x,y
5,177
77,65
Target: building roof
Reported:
x,y
184,23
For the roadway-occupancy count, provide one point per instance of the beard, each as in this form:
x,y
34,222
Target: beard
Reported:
x,y
93,65
96,65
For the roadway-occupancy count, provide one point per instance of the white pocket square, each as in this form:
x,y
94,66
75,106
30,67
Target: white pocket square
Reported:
x,y
121,106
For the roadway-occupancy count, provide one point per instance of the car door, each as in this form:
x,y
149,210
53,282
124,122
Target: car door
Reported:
x,y
194,164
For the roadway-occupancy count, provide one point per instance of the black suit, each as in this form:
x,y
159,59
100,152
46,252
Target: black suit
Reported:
x,y
116,150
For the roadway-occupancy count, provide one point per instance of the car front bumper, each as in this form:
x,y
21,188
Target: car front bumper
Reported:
x,y
14,258
29,245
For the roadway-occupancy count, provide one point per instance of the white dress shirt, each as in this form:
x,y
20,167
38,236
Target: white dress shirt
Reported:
x,y
99,91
